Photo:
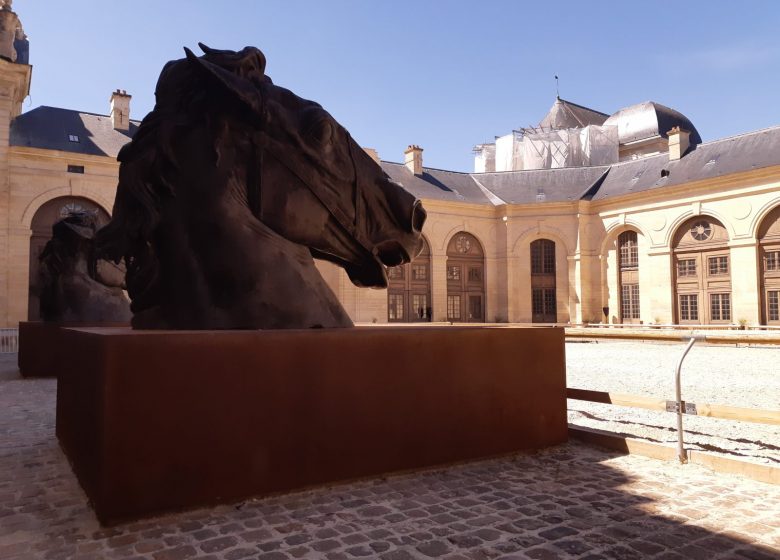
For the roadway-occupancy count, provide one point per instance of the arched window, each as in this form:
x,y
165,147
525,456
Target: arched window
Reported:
x,y
628,265
409,290
544,307
769,258
465,279
702,272
43,220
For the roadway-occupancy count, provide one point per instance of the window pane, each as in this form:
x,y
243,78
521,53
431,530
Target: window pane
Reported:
x,y
475,307
686,267
420,271
718,265
773,304
629,251
537,301
475,274
420,306
453,307
543,257
772,260
395,273
395,307
689,307
549,301
453,272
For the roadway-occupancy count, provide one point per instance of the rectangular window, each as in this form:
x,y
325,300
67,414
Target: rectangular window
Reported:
x,y
453,272
395,307
75,169
773,305
420,306
686,267
475,308
689,307
718,265
537,301
720,307
453,307
772,260
629,256
73,138
549,301
475,274
395,273
629,298
419,271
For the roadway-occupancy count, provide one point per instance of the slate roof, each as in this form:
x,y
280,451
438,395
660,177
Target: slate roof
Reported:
x,y
648,120
437,184
565,114
542,185
745,152
736,154
49,128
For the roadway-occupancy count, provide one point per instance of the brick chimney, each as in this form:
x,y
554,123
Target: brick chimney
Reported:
x,y
120,110
679,142
373,153
413,159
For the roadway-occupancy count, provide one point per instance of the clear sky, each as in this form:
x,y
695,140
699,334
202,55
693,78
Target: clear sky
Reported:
x,y
444,75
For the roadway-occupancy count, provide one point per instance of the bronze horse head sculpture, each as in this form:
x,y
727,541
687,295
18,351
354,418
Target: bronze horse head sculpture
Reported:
x,y
229,189
76,286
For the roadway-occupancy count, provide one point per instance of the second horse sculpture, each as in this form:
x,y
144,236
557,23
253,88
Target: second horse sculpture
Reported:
x,y
230,187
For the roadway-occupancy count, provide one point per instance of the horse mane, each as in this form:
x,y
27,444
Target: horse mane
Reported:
x,y
147,174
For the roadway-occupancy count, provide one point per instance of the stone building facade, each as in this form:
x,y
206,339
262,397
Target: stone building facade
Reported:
x,y
584,218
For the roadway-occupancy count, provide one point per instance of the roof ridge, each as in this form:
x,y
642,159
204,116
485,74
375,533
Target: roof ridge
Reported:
x,y
566,101
72,111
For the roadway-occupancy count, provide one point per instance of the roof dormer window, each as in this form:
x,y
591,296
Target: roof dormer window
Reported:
x,y
73,138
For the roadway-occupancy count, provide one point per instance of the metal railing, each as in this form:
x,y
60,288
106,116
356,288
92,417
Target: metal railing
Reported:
x,y
9,341
678,406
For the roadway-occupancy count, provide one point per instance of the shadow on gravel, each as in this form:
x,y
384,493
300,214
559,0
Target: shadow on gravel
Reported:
x,y
688,431
572,501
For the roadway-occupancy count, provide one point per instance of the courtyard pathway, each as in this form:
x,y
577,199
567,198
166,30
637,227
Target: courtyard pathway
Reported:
x,y
572,501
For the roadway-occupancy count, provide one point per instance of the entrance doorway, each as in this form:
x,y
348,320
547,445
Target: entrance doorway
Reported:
x,y
409,290
702,272
544,308
465,279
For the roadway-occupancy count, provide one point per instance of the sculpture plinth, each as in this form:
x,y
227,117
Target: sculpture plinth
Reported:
x,y
161,420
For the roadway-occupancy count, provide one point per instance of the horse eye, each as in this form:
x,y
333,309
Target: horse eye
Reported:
x,y
320,131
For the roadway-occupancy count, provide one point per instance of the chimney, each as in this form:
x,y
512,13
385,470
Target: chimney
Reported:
x,y
413,159
373,153
120,110
679,142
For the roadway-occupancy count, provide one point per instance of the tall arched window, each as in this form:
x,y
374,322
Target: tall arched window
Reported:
x,y
628,264
702,272
43,220
465,279
544,307
409,290
769,255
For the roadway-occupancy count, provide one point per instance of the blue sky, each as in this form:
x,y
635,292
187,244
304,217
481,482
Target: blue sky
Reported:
x,y
444,75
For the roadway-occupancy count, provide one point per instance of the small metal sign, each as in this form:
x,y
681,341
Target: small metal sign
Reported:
x,y
688,408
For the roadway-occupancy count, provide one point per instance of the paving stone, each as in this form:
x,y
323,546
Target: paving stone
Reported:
x,y
433,549
570,501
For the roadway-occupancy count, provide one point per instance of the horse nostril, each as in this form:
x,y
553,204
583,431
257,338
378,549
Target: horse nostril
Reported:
x,y
391,253
418,216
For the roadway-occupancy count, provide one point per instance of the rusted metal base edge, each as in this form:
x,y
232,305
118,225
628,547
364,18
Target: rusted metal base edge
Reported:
x,y
754,471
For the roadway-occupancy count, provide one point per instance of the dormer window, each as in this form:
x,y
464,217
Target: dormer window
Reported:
x,y
73,138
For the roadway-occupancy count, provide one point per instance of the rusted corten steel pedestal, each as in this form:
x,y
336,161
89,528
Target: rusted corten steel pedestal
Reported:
x,y
41,347
165,420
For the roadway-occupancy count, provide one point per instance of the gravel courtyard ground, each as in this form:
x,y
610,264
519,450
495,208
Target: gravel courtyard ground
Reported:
x,y
572,501
747,377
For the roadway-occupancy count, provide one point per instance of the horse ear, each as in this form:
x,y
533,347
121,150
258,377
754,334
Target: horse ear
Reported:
x,y
244,89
